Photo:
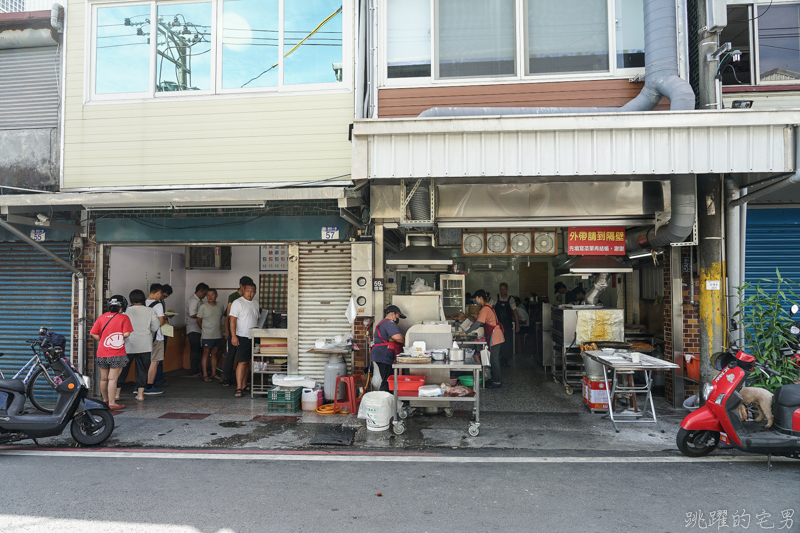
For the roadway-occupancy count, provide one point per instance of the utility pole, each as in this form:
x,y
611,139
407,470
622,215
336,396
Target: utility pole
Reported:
x,y
707,44
710,202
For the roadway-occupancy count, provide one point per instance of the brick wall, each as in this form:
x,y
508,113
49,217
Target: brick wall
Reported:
x,y
690,325
362,336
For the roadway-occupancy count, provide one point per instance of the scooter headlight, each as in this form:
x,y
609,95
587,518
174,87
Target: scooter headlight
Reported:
x,y
708,388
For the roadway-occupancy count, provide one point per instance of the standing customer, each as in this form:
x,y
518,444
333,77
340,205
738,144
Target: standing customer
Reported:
x,y
506,311
155,302
110,331
389,342
209,319
166,292
193,331
243,316
228,363
140,343
493,333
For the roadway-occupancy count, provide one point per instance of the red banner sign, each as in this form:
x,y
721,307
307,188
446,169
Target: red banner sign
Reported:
x,y
596,241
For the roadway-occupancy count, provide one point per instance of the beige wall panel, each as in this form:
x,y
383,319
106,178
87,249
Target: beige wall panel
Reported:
x,y
222,139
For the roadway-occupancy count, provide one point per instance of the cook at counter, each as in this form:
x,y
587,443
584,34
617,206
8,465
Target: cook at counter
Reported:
x,y
494,335
388,343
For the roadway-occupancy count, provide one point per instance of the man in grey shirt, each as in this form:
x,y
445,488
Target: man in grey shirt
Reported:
x,y
140,343
209,318
193,330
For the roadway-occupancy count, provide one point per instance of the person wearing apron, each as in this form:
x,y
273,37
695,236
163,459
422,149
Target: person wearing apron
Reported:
x,y
506,310
388,343
493,331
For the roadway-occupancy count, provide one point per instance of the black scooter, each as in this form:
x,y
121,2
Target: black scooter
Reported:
x,y
91,422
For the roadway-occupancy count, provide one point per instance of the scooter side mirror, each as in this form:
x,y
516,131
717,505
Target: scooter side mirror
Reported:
x,y
734,325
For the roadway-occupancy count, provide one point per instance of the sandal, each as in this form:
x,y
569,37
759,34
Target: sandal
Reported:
x,y
238,393
216,377
206,378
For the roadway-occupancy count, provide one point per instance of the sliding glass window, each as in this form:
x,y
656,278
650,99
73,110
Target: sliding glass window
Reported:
x,y
767,36
476,38
408,38
486,38
211,46
122,49
250,43
183,47
312,41
567,36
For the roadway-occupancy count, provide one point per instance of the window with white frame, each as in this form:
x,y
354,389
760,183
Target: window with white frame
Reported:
x,y
458,39
215,46
768,37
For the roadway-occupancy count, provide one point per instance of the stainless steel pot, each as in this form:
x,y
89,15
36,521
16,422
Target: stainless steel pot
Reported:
x,y
456,354
593,369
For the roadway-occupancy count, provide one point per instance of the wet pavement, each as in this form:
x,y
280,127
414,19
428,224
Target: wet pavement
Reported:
x,y
530,412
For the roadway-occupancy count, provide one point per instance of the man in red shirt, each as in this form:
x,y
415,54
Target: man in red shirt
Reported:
x,y
110,331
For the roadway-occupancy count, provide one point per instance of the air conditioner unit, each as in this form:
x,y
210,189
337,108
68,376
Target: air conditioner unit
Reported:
x,y
208,258
486,265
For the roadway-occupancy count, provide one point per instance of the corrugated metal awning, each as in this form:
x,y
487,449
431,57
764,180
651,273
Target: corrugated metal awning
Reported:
x,y
169,199
602,144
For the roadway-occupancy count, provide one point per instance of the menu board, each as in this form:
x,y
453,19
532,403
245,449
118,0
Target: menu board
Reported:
x,y
596,241
274,258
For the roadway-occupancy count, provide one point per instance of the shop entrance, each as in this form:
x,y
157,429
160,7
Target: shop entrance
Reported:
x,y
218,266
533,377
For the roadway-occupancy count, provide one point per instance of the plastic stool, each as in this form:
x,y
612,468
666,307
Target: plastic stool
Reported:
x,y
351,400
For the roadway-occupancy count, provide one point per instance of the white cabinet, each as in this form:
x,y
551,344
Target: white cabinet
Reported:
x,y
453,293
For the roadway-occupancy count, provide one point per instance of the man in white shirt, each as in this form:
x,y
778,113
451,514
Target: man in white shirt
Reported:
x,y
193,331
243,316
157,355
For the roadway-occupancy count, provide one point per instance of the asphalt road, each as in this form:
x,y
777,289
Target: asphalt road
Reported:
x,y
179,492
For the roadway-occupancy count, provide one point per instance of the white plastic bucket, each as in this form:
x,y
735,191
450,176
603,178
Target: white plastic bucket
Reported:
x,y
376,408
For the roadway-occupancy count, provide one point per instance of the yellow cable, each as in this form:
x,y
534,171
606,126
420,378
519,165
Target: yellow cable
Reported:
x,y
331,409
307,37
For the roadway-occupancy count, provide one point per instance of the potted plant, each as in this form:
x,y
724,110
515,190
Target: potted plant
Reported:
x,y
765,317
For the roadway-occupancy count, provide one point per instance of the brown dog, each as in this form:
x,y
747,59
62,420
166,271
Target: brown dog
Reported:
x,y
762,398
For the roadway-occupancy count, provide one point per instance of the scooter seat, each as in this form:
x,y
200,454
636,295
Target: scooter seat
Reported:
x,y
16,385
788,396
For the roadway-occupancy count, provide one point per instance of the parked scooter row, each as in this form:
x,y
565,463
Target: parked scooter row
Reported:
x,y
702,430
90,420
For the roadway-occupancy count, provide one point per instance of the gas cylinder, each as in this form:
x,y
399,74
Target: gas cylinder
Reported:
x,y
333,369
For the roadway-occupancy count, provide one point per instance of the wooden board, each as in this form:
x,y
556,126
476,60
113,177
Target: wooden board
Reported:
x,y
410,102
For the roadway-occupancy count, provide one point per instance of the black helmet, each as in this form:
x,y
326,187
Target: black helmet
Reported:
x,y
722,359
118,300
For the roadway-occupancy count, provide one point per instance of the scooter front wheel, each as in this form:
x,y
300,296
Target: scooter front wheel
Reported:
x,y
697,443
84,434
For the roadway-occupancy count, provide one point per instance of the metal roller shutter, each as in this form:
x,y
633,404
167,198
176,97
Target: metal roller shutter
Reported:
x,y
35,292
324,292
773,241
29,88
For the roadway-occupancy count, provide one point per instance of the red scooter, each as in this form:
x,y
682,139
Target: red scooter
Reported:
x,y
718,420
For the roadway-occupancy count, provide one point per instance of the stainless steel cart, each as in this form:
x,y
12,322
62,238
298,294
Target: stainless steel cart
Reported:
x,y
398,424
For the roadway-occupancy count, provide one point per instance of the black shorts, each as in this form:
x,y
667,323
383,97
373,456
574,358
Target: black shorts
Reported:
x,y
212,343
244,352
